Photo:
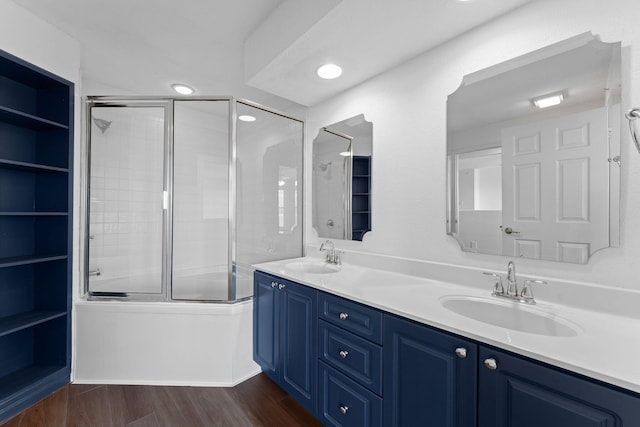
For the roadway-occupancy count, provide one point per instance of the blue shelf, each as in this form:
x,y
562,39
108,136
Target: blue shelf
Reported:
x,y
15,323
24,260
27,377
19,118
34,213
30,167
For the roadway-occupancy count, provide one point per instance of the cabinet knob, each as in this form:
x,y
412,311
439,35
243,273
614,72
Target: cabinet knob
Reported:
x,y
343,316
343,409
274,284
491,364
461,352
343,353
281,286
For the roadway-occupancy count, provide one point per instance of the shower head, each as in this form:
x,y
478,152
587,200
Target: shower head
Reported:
x,y
324,166
102,124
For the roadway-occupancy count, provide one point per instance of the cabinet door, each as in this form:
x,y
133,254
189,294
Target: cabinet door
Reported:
x,y
425,382
522,393
266,332
298,342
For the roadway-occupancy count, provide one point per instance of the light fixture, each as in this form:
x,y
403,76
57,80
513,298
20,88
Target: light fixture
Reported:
x,y
329,71
345,153
183,89
246,118
548,100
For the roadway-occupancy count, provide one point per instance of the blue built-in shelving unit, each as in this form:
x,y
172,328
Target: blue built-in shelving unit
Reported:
x,y
36,158
361,197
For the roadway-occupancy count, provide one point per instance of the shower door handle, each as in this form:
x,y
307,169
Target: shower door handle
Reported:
x,y
165,200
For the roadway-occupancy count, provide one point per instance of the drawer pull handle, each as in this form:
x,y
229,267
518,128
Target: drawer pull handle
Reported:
x,y
281,286
491,364
343,409
461,352
343,316
274,284
343,354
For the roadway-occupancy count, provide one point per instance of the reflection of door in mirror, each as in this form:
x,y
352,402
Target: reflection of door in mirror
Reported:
x,y
479,206
555,187
555,116
287,199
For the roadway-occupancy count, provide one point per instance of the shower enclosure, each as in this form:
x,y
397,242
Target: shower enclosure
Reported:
x,y
184,195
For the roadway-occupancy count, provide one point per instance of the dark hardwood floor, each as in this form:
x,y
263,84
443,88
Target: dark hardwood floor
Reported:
x,y
255,402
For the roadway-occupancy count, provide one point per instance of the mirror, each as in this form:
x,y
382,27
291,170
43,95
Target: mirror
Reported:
x,y
342,154
535,181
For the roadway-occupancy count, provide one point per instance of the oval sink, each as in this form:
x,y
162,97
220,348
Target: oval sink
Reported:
x,y
311,267
509,315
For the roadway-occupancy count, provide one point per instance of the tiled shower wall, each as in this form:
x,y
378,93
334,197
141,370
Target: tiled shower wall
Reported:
x,y
126,200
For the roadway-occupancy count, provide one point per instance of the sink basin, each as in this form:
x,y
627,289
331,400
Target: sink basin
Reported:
x,y
510,315
312,267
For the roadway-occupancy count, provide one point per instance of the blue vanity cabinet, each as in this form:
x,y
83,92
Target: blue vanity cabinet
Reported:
x,y
285,322
350,363
430,377
36,187
518,392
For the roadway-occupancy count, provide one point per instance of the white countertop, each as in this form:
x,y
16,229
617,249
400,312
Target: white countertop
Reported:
x,y
606,346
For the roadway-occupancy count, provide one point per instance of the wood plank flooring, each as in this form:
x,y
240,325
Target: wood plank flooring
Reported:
x,y
255,402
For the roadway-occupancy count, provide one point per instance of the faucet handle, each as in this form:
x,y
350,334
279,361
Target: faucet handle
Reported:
x,y
498,289
527,290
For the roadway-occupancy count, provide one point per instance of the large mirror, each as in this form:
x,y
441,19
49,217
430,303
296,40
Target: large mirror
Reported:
x,y
533,154
342,179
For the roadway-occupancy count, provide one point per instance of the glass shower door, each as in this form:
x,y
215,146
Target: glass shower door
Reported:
x,y
126,193
269,192
201,201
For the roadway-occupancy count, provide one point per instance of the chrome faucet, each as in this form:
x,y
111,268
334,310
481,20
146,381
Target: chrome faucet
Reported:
x,y
333,257
512,284
524,296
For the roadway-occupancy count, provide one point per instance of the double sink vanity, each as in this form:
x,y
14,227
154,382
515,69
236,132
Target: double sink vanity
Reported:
x,y
360,346
383,341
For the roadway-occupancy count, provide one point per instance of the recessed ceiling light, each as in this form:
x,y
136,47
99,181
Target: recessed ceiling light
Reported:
x,y
549,100
246,118
183,89
329,71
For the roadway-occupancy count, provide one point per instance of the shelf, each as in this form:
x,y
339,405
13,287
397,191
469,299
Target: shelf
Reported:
x,y
19,118
32,167
34,214
26,377
11,324
24,260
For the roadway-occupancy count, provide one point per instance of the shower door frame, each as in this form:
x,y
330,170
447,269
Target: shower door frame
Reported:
x,y
167,239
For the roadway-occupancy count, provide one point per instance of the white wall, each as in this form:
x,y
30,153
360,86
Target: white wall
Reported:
x,y
408,108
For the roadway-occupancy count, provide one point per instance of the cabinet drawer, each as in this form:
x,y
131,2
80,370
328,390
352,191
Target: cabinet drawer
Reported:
x,y
357,318
345,403
358,358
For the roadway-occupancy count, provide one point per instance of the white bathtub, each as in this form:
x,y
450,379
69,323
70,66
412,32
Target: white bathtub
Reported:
x,y
162,343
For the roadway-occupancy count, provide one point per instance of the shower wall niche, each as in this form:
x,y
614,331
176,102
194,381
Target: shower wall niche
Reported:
x,y
182,197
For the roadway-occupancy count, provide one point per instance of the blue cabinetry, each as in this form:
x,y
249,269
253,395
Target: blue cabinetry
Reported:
x,y
36,140
517,392
350,360
429,376
375,368
285,322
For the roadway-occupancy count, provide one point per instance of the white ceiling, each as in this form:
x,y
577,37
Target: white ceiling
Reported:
x,y
248,47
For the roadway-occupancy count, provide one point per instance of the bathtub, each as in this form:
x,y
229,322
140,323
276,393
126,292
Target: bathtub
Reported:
x,y
162,343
